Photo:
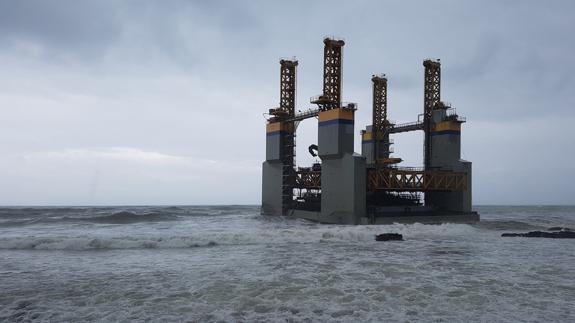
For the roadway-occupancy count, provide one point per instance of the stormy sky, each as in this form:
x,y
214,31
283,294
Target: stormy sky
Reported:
x,y
161,102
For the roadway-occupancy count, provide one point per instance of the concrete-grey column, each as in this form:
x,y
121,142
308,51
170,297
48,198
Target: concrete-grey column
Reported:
x,y
272,168
446,154
367,145
271,188
343,174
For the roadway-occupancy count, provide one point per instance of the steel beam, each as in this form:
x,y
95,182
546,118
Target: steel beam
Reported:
x,y
288,86
431,96
414,180
308,179
332,75
288,70
379,113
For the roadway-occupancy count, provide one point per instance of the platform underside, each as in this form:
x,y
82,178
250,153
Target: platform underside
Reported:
x,y
431,217
465,218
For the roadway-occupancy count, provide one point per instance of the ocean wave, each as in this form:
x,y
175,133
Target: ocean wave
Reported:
x,y
126,217
122,217
14,217
101,243
292,235
526,224
509,225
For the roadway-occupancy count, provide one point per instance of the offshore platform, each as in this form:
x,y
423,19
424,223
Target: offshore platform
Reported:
x,y
371,187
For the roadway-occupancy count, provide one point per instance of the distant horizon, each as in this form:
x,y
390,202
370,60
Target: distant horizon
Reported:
x,y
185,205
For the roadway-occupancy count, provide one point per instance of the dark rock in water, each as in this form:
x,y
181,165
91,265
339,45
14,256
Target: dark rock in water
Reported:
x,y
559,229
512,235
557,234
541,234
389,237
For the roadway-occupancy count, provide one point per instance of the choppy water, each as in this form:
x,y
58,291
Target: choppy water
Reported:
x,y
229,263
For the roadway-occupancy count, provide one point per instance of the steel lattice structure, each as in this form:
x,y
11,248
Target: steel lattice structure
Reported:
x,y
288,72
308,179
396,179
431,96
332,72
410,180
379,113
288,86
432,86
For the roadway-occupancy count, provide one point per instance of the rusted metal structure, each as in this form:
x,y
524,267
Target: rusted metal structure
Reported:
x,y
284,130
308,179
332,75
288,69
431,97
415,180
380,123
368,188
402,179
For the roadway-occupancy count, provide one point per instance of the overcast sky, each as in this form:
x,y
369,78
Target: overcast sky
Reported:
x,y
161,102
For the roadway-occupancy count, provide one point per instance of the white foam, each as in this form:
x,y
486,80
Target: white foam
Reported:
x,y
306,234
250,268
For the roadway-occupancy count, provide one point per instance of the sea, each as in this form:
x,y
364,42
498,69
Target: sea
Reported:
x,y
231,264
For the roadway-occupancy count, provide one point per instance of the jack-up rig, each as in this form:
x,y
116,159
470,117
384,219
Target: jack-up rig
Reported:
x,y
371,188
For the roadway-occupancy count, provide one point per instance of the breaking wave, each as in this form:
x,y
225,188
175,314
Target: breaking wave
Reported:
x,y
101,243
316,234
14,217
527,224
508,225
122,217
125,217
203,226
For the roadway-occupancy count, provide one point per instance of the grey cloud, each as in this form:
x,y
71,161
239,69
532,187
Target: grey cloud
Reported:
x,y
192,78
73,27
487,50
181,31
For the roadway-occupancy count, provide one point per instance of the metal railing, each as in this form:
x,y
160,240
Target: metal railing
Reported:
x,y
349,105
404,127
451,114
309,113
316,98
332,37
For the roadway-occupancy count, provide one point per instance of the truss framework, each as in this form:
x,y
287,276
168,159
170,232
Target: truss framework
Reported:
x,y
308,179
379,113
392,179
431,97
288,86
332,72
288,70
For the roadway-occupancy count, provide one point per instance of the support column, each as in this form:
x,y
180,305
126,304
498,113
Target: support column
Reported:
x,y
276,192
278,170
368,146
445,137
343,173
431,96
